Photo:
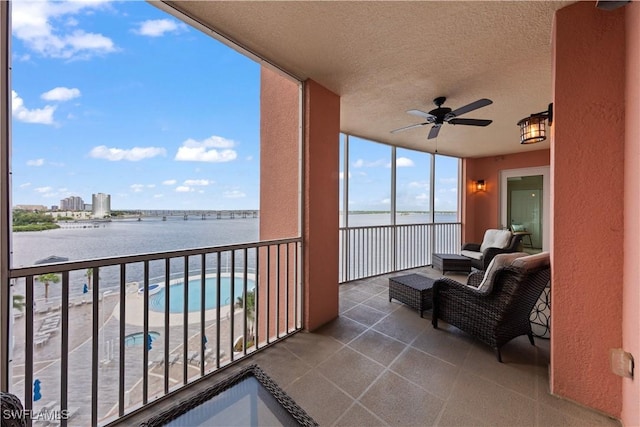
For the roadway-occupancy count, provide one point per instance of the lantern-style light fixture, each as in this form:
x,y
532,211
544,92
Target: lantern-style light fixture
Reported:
x,y
479,185
533,128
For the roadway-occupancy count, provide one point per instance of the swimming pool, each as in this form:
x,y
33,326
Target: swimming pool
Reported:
x,y
176,294
137,339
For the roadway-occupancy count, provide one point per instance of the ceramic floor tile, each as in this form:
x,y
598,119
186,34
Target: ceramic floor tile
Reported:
x,y
432,374
380,348
350,370
401,403
323,401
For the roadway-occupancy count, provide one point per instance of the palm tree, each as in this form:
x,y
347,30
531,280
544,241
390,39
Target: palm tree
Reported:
x,y
46,278
250,307
18,302
89,274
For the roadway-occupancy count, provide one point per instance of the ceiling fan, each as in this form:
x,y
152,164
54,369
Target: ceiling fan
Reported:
x,y
441,115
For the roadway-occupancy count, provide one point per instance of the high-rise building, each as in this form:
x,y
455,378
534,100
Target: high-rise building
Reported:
x,y
101,205
73,203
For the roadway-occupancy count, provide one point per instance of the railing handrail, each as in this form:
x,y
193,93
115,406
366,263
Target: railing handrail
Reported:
x,y
398,225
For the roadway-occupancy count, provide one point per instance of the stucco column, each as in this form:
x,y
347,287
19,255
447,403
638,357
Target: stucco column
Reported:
x,y
321,210
587,168
631,276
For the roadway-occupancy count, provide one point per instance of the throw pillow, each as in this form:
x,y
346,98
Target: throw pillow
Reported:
x,y
499,261
518,227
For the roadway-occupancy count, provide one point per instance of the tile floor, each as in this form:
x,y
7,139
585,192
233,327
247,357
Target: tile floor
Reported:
x,y
381,364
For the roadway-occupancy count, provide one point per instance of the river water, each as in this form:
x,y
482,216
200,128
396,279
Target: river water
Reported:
x,y
153,235
132,237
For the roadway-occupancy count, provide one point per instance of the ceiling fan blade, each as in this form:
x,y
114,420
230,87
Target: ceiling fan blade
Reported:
x,y
422,114
610,4
434,131
470,122
470,107
409,127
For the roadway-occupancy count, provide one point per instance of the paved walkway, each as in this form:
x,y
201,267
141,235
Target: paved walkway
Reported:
x,y
47,355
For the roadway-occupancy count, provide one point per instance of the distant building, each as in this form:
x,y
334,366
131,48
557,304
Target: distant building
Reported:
x,y
101,205
73,203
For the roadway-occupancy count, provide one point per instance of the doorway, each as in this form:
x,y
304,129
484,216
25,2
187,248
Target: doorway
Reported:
x,y
524,195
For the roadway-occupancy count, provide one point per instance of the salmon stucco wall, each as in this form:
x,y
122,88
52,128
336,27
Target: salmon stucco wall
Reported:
x,y
481,210
279,156
587,169
279,198
631,291
321,195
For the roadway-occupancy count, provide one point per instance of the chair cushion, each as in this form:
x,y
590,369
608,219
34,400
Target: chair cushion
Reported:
x,y
495,239
498,262
471,254
533,262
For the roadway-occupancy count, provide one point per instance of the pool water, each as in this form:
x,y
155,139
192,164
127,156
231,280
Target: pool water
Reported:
x,y
137,339
176,294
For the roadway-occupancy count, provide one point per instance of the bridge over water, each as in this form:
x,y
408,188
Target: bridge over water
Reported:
x,y
200,214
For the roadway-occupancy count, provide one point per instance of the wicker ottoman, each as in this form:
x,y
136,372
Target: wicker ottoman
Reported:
x,y
451,262
413,290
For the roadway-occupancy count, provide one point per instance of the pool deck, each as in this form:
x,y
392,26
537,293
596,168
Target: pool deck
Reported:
x,y
181,370
135,313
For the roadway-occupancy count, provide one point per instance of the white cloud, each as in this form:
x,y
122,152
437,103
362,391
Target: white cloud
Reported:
x,y
419,184
184,189
361,163
138,188
43,189
234,194
35,162
193,182
214,149
25,185
169,182
50,28
133,155
448,180
404,162
158,27
158,196
61,94
42,116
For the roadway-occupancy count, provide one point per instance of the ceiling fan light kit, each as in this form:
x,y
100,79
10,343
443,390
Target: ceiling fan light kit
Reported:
x,y
533,128
441,115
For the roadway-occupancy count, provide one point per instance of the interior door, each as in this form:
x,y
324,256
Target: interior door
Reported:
x,y
524,195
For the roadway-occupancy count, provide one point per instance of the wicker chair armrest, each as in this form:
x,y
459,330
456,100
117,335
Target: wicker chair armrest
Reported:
x,y
451,287
471,247
11,407
474,279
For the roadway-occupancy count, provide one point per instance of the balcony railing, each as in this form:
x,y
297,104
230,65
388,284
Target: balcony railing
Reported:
x,y
374,250
97,340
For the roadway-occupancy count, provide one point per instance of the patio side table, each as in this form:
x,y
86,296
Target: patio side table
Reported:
x,y
413,290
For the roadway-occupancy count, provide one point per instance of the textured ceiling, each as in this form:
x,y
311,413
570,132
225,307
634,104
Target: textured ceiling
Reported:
x,y
386,57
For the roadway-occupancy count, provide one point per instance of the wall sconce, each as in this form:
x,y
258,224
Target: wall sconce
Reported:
x,y
533,128
479,185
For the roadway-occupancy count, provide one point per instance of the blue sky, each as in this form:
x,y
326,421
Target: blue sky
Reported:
x,y
121,98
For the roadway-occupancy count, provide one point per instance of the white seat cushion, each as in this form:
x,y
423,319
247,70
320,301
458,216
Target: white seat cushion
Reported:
x,y
495,239
499,261
471,254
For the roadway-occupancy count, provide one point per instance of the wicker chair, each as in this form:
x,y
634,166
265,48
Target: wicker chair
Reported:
x,y
494,306
481,254
10,411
